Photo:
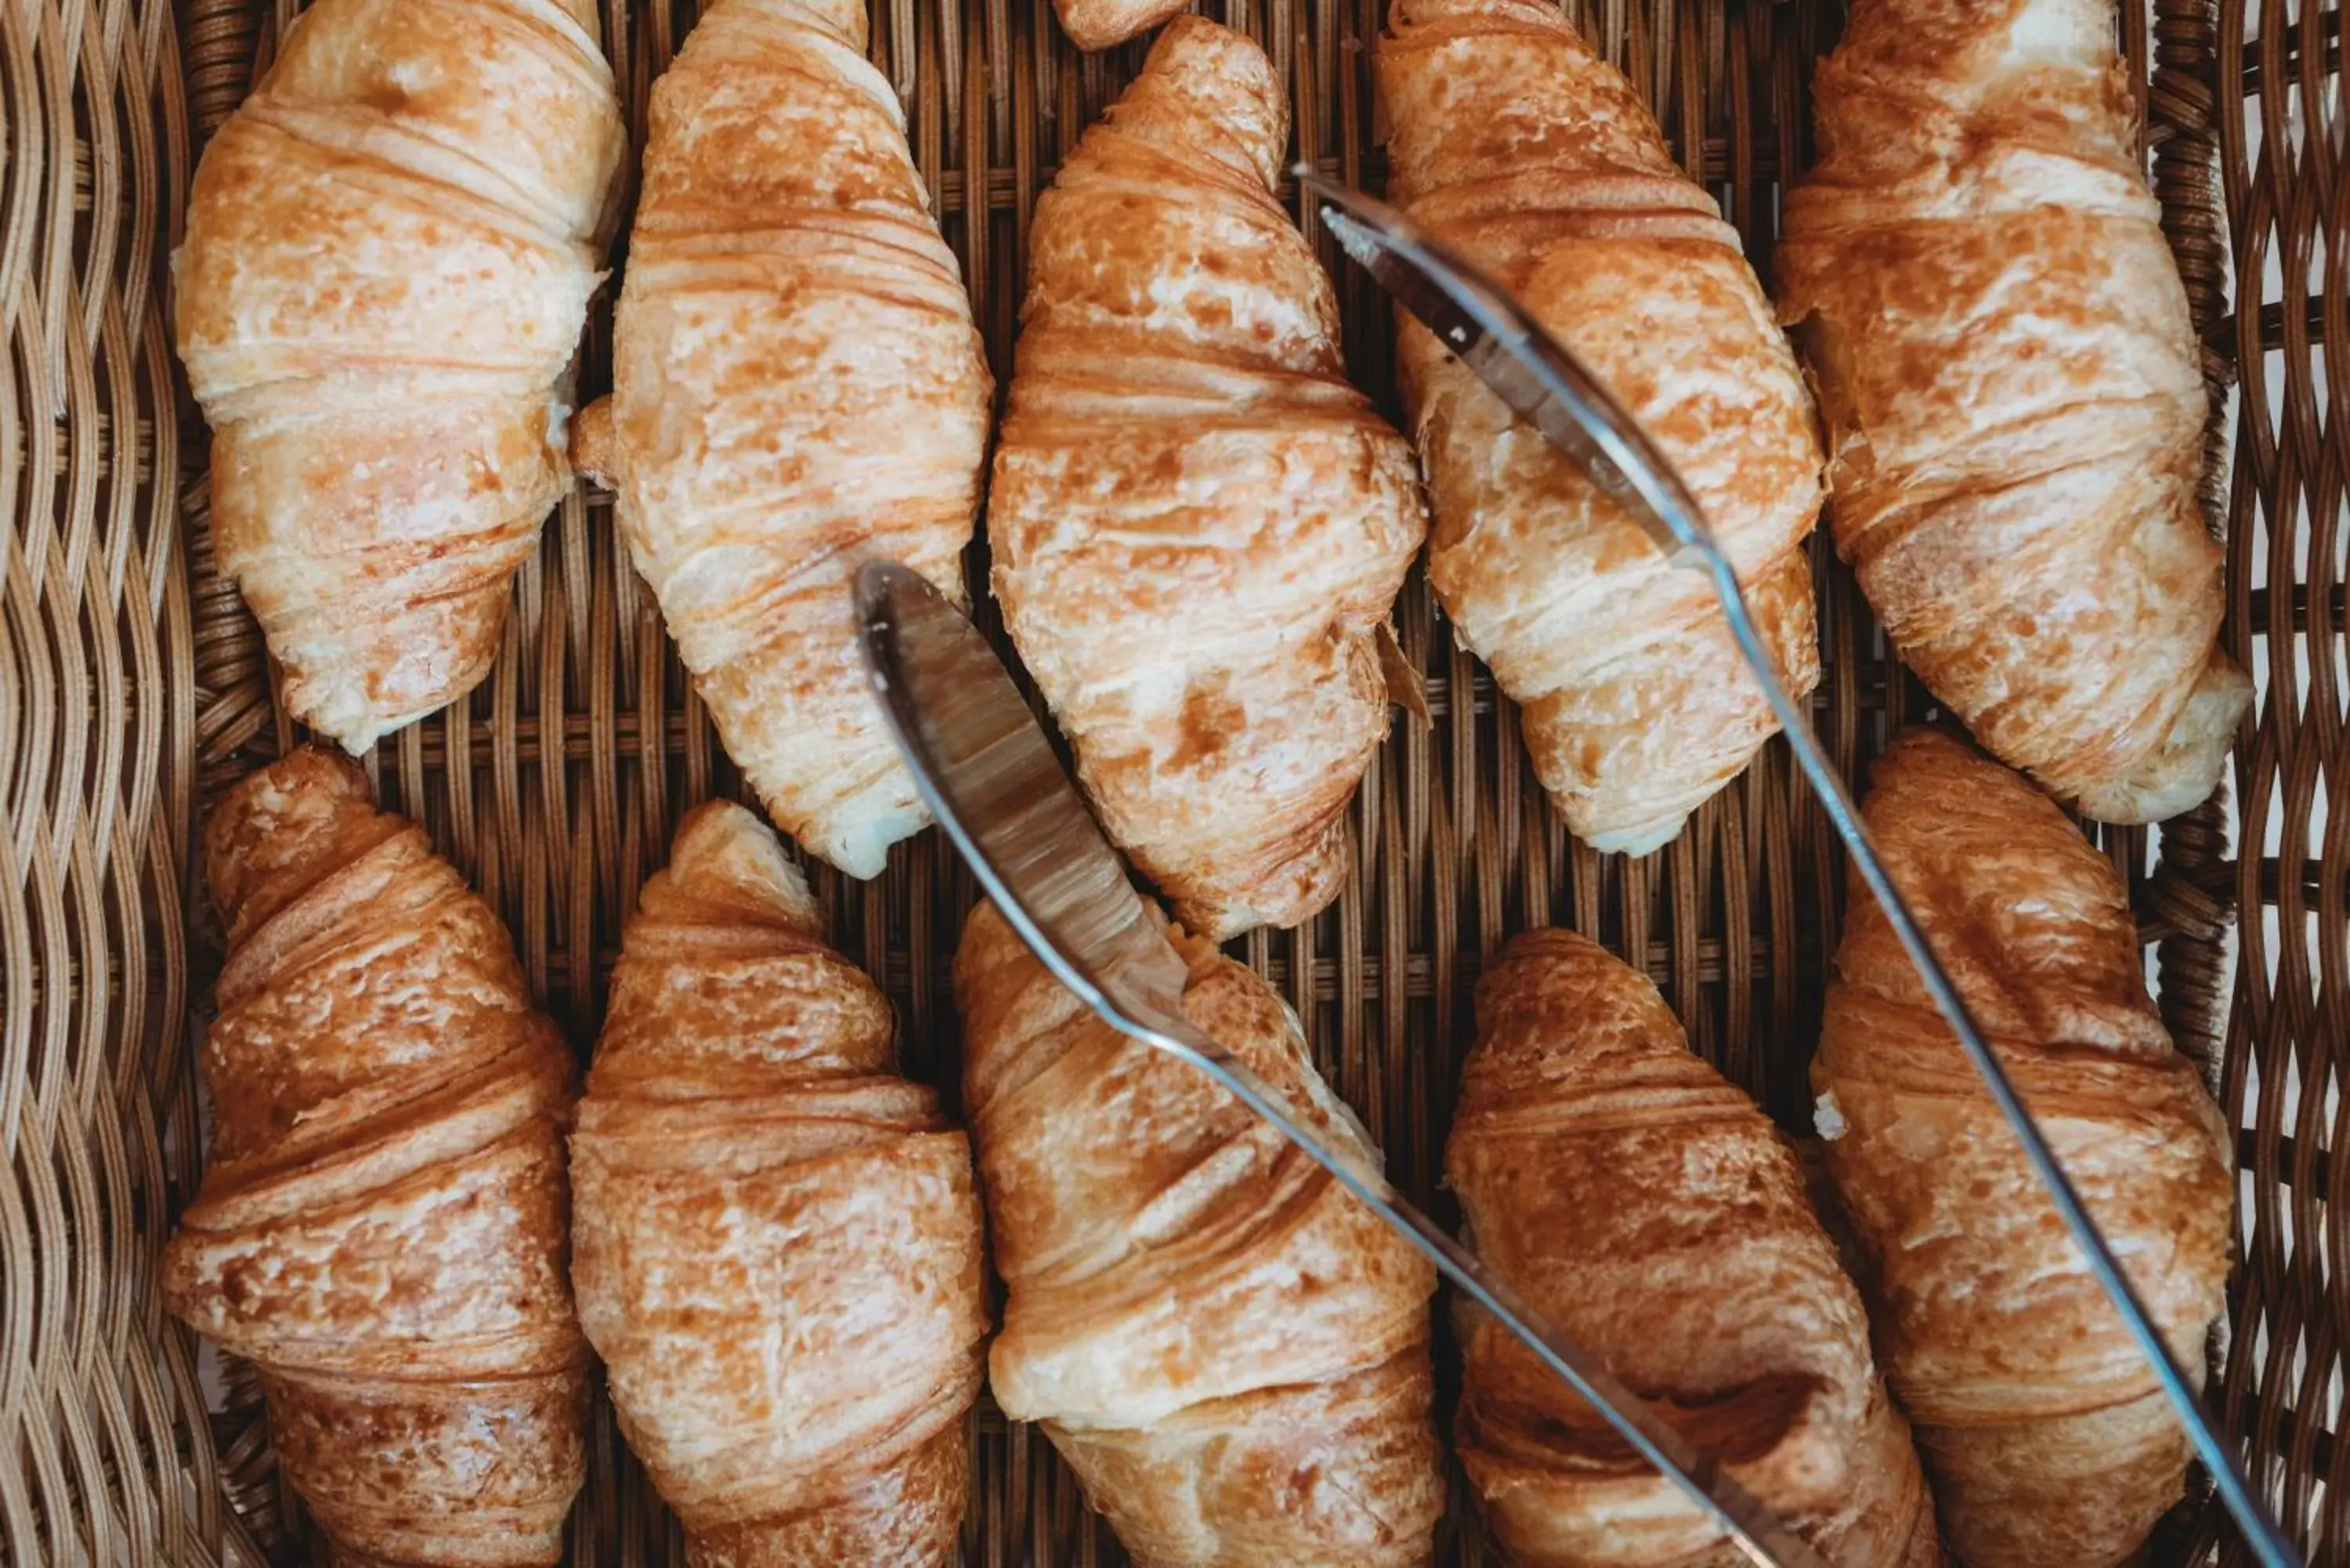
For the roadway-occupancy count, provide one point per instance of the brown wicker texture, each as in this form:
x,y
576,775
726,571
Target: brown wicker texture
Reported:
x,y
133,690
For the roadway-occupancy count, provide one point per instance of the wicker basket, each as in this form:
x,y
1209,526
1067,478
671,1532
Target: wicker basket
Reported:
x,y
133,689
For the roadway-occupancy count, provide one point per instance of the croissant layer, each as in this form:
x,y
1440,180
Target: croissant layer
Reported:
x,y
389,252
1229,1350
381,1225
1978,275
1650,1211
1519,147
798,387
1198,526
2045,1436
777,1238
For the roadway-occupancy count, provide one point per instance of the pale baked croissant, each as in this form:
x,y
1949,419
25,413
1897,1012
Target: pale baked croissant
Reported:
x,y
1976,273
1652,1211
796,389
1516,145
1198,526
389,257
1230,1351
778,1239
2046,1438
380,1229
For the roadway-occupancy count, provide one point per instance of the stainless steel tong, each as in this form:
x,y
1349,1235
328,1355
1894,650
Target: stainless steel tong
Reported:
x,y
1540,381
984,765
981,761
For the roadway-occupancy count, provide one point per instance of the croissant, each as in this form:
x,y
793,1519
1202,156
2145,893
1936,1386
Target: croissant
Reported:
x,y
1976,273
777,1238
380,1229
1198,526
1228,1349
389,252
2045,1436
798,387
1516,145
1650,1211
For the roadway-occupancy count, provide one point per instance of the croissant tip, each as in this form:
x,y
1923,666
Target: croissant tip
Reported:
x,y
1097,25
303,769
2185,768
856,843
722,849
1639,842
340,702
594,443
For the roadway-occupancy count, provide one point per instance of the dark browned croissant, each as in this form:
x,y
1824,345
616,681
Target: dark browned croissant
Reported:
x,y
381,1225
1652,1213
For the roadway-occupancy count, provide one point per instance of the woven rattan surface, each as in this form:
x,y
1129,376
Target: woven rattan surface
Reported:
x,y
133,690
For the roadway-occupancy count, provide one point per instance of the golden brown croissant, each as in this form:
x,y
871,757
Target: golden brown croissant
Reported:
x,y
380,1229
778,1239
389,252
1518,146
1198,526
796,389
1652,1211
1229,1350
2047,1440
2005,362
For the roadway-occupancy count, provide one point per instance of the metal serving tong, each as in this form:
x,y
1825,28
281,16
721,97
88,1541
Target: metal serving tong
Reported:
x,y
981,759
1542,383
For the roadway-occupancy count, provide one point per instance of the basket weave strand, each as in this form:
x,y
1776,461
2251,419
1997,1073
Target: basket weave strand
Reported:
x,y
134,690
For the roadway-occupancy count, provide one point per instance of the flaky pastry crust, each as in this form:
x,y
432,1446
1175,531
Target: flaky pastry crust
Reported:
x,y
798,387
1230,1351
1199,525
1652,1211
389,252
381,1225
1519,147
776,1237
1978,275
2049,1444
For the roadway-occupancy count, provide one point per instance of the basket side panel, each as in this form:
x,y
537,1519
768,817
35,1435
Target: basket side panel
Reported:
x,y
2276,111
104,1455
